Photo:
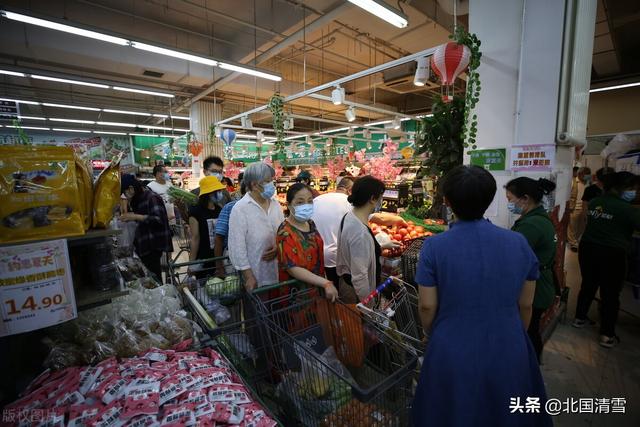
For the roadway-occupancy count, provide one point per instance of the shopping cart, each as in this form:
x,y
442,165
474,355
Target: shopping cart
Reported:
x,y
331,366
182,235
396,315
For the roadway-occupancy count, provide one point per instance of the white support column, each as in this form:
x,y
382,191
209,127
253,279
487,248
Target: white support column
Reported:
x,y
520,72
203,115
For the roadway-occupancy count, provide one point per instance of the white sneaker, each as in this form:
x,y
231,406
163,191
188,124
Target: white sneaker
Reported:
x,y
608,342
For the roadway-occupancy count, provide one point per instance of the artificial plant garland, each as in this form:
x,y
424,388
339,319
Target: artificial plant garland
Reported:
x,y
276,106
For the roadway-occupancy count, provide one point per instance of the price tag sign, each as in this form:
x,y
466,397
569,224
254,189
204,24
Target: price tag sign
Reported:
x,y
36,289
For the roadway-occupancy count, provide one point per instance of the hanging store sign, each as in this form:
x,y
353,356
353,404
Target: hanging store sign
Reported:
x,y
492,159
533,158
9,110
36,289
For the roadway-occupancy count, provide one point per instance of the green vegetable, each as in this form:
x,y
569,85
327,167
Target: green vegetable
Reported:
x,y
216,287
184,196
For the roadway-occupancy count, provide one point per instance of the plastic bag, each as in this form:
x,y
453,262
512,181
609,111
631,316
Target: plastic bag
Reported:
x,y
85,190
220,313
620,145
107,194
38,193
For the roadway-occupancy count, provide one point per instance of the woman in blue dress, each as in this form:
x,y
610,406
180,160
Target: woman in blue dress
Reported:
x,y
477,283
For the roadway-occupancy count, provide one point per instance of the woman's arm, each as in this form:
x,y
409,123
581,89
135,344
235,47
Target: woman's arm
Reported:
x,y
304,275
428,306
195,239
526,302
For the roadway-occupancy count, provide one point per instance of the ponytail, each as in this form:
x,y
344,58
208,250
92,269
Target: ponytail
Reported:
x,y
535,189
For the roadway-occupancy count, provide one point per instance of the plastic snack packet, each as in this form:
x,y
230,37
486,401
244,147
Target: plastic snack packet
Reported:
x,y
178,415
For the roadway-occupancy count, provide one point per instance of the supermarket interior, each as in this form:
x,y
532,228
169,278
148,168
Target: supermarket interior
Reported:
x,y
320,213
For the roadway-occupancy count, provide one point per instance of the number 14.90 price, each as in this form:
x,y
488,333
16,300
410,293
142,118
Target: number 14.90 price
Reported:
x,y
31,304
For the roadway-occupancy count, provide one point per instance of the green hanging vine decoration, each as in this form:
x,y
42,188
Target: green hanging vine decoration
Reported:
x,y
22,136
212,133
472,96
276,106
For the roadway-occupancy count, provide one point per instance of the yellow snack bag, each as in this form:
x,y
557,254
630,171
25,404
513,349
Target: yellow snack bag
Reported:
x,y
38,193
85,190
107,194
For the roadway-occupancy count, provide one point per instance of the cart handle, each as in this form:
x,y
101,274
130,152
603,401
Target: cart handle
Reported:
x,y
197,261
267,288
377,290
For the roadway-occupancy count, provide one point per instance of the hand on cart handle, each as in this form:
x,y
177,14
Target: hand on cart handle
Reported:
x,y
330,291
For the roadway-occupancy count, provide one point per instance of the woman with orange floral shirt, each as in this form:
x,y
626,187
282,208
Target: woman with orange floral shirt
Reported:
x,y
300,247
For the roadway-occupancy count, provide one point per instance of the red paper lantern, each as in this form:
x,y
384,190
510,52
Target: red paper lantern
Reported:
x,y
195,147
449,60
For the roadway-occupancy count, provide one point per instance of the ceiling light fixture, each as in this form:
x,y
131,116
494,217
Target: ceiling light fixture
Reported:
x,y
65,28
31,118
181,117
422,71
174,53
146,92
396,123
350,114
18,101
27,127
603,89
383,122
383,11
126,125
181,130
109,133
249,71
260,136
133,113
162,116
71,130
90,122
154,127
73,107
245,122
11,73
73,82
144,134
337,95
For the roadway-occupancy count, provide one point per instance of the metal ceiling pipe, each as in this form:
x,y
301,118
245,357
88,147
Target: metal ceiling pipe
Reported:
x,y
291,132
358,75
364,106
273,51
323,120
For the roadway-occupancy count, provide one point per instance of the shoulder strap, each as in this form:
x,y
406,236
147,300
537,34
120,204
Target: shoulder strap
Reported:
x,y
342,222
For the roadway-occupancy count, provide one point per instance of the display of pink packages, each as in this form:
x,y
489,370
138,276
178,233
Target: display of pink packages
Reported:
x,y
227,413
157,355
178,415
80,414
87,377
109,416
169,389
144,421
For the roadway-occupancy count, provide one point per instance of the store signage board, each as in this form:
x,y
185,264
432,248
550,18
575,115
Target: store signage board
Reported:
x,y
9,110
36,288
533,158
492,159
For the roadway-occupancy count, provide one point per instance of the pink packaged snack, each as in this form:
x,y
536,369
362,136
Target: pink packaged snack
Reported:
x,y
109,416
52,418
142,401
169,389
144,421
206,420
196,397
164,367
178,415
227,413
158,355
114,390
183,346
215,358
99,382
88,376
79,414
220,393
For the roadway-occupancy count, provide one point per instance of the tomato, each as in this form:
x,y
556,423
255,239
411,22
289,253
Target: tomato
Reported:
x,y
410,223
403,231
413,234
397,237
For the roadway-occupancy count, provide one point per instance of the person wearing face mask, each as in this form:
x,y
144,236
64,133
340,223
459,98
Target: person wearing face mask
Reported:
x,y
161,186
577,219
603,252
211,166
358,255
153,235
525,196
253,225
300,247
202,221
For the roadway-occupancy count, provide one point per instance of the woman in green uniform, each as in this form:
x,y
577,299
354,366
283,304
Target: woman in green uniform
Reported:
x,y
525,197
603,251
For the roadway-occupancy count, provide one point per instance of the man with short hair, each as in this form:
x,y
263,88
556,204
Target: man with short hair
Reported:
x,y
161,186
212,166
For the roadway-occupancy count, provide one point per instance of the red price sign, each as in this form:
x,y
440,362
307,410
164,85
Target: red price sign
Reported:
x,y
30,304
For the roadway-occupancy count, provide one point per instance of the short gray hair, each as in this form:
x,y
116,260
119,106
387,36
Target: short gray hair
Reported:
x,y
256,173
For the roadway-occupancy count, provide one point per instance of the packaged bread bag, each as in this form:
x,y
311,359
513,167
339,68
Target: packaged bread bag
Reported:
x,y
107,194
38,193
85,190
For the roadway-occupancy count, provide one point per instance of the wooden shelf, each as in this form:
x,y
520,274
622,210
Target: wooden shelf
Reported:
x,y
87,298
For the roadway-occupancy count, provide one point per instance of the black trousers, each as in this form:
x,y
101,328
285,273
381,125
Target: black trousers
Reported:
x,y
534,331
605,268
152,262
332,275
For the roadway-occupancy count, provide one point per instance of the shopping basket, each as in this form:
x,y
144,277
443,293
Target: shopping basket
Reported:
x,y
333,366
398,314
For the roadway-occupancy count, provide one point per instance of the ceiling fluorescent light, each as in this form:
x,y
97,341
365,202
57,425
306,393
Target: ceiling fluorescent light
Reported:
x,y
126,125
337,95
90,122
249,71
181,130
181,117
73,107
383,122
174,53
170,136
65,28
144,134
11,73
162,116
603,89
27,127
350,114
73,82
146,92
109,133
31,118
133,113
154,127
72,130
382,11
18,101
422,71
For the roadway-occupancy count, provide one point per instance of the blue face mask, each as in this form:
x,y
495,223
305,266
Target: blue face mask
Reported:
x,y
629,195
378,206
268,190
218,175
514,209
303,212
167,177
587,179
216,197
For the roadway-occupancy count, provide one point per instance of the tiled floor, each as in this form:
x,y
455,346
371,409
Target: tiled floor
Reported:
x,y
576,366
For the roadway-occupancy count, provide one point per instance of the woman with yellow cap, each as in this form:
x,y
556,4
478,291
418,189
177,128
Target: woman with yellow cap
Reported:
x,y
202,220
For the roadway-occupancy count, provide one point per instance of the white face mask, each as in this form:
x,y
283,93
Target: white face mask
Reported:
x,y
303,212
